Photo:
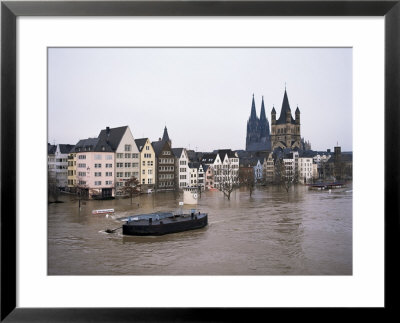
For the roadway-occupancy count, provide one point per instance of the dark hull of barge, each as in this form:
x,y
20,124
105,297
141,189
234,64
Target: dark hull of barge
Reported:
x,y
165,226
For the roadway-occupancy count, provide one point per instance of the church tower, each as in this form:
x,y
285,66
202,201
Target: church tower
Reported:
x,y
285,132
165,136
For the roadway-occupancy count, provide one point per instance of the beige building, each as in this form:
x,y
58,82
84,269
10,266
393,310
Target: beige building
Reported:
x,y
147,163
123,144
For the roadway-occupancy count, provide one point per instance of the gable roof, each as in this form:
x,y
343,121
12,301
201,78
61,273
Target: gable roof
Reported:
x,y
158,146
51,149
208,158
223,152
88,144
65,149
112,137
140,143
177,152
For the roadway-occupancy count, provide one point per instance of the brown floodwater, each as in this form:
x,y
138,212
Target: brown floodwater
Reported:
x,y
270,233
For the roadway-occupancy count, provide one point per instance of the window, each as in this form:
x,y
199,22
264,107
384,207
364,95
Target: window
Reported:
x,y
97,183
97,157
135,164
127,164
120,174
147,147
108,165
97,174
120,164
135,155
127,155
81,165
128,147
149,181
150,171
108,173
143,163
166,153
109,157
127,174
108,182
97,165
82,157
120,155
143,181
143,172
82,174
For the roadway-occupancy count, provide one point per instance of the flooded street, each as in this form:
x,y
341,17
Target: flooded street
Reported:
x,y
271,233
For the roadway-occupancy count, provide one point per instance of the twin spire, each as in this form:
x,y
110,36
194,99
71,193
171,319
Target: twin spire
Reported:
x,y
253,114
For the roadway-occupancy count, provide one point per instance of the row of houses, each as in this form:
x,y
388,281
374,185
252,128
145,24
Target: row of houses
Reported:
x,y
101,166
298,166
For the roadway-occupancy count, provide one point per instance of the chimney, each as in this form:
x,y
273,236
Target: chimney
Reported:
x,y
107,130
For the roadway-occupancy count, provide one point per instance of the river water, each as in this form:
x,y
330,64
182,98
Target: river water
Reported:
x,y
270,233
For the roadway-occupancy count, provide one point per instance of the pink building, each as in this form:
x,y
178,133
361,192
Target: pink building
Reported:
x,y
95,168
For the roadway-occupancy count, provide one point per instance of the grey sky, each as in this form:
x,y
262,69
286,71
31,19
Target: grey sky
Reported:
x,y
202,95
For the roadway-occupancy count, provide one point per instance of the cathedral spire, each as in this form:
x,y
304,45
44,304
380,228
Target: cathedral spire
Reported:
x,y
253,114
262,113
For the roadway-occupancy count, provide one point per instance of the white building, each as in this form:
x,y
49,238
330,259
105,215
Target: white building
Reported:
x,y
291,165
258,171
305,167
58,164
182,167
226,167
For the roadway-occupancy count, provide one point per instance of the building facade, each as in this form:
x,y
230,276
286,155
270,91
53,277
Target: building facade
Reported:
x,y
57,159
147,162
305,167
94,168
165,164
182,167
122,143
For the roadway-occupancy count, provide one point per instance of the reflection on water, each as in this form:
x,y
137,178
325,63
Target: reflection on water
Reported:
x,y
270,233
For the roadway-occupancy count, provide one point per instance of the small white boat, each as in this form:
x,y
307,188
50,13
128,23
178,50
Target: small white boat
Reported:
x,y
104,211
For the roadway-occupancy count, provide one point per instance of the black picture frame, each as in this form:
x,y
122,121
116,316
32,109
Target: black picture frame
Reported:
x,y
10,10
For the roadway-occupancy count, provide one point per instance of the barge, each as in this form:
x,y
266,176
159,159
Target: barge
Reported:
x,y
155,224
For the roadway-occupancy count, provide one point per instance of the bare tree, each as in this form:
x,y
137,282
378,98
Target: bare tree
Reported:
x,y
131,187
52,188
282,175
246,178
226,181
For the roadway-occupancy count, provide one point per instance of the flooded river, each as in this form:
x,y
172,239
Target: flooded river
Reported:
x,y
270,233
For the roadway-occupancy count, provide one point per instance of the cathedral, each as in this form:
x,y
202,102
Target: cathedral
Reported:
x,y
258,136
285,131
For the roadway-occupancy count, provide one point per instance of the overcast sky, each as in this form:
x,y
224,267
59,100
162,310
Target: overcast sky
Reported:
x,y
202,95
